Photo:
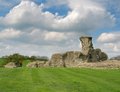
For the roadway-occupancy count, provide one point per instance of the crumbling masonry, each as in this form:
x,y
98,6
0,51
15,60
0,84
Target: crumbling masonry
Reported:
x,y
72,58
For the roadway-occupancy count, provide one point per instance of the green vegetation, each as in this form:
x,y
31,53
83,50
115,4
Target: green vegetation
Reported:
x,y
39,58
2,62
25,62
59,80
16,58
21,60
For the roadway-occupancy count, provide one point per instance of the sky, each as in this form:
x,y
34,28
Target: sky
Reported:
x,y
44,27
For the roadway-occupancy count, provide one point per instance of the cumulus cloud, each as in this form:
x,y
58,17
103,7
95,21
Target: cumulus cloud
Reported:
x,y
28,25
54,36
113,46
110,42
9,33
5,4
84,16
109,37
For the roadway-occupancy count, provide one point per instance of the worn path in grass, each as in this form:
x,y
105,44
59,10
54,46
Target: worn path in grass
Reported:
x,y
59,80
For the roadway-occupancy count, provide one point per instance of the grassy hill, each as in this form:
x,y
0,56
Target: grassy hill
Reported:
x,y
59,80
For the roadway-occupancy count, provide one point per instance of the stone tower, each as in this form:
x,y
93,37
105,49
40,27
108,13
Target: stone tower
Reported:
x,y
89,53
87,45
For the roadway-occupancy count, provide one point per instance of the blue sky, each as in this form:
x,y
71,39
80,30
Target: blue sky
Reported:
x,y
44,27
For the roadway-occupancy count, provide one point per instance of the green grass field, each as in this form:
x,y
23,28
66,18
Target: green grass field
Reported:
x,y
59,80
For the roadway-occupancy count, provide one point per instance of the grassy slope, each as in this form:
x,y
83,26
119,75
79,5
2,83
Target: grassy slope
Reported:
x,y
2,62
59,80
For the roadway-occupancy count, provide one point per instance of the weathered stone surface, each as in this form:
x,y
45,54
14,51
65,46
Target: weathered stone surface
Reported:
x,y
103,56
89,53
57,60
10,65
73,58
69,58
87,45
36,64
113,64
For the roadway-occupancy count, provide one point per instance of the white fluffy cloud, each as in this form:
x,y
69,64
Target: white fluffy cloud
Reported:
x,y
9,33
54,36
84,16
109,37
110,42
30,26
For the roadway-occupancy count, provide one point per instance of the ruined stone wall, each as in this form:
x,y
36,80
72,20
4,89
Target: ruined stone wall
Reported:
x,y
89,53
72,58
87,45
56,60
66,59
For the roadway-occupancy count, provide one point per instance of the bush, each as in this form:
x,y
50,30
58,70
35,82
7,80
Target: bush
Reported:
x,y
39,58
16,58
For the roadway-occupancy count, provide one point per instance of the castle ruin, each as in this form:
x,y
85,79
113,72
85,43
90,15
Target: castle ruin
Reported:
x,y
72,58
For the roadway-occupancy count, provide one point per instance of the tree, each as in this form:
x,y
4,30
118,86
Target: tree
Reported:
x,y
33,58
16,58
39,58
